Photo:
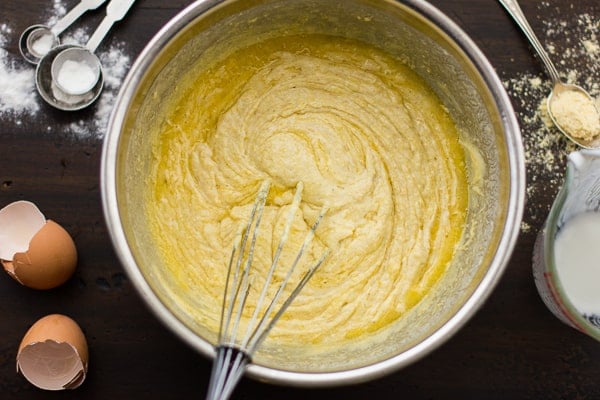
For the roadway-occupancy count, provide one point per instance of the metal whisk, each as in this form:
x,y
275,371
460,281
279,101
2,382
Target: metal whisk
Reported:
x,y
235,348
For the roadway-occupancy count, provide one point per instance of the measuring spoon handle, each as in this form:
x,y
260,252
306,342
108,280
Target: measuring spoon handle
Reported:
x,y
115,11
74,13
513,8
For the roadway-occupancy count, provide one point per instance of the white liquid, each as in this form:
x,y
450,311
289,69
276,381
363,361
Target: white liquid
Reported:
x,y
76,77
577,256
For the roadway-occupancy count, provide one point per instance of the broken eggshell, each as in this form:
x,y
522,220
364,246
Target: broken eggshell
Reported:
x,y
53,354
36,252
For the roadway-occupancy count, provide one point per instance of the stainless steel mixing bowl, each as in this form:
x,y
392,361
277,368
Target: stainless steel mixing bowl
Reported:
x,y
438,51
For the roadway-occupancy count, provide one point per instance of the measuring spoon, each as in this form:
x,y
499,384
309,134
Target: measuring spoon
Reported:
x,y
61,88
559,88
37,40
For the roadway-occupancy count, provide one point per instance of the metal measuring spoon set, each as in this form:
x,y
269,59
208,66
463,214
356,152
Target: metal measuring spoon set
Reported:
x,y
69,76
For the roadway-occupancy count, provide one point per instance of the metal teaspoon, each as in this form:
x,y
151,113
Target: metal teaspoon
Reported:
x,y
559,87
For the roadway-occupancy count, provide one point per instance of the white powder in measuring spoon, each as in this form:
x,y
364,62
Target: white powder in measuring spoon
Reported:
x,y
577,259
76,77
42,45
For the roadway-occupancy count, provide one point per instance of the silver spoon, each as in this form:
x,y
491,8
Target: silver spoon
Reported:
x,y
560,88
37,40
70,77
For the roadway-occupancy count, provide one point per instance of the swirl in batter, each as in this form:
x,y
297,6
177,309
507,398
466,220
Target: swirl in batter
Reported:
x,y
368,139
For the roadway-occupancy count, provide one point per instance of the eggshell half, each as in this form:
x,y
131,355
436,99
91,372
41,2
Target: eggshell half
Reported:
x,y
53,354
19,222
49,261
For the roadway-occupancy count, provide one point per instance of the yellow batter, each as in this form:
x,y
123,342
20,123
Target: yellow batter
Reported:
x,y
368,139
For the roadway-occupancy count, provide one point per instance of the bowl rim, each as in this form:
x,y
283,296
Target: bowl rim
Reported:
x,y
506,244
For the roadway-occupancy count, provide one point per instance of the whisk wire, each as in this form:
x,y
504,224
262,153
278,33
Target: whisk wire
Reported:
x,y
257,338
254,221
233,355
226,372
224,303
282,240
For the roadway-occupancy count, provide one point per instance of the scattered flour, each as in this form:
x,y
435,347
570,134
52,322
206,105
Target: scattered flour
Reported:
x,y
572,42
19,100
17,90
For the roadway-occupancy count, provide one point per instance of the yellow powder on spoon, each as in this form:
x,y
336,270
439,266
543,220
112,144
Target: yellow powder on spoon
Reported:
x,y
576,114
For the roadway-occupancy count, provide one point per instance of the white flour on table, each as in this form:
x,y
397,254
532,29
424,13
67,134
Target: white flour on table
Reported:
x,y
17,88
572,42
19,101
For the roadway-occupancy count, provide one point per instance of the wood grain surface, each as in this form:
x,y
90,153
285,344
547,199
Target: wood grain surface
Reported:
x,y
513,348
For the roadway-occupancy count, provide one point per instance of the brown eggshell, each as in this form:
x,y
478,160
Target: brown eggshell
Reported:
x,y
50,260
10,268
53,354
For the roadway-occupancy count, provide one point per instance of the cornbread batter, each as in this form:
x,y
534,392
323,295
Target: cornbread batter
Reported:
x,y
368,139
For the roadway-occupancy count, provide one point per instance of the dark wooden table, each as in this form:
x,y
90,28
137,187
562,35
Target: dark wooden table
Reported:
x,y
513,348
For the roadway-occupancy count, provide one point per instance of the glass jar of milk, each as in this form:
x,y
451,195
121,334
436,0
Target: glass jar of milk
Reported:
x,y
566,258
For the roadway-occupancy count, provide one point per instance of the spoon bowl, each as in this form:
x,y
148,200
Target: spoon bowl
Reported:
x,y
36,41
53,93
76,70
565,97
